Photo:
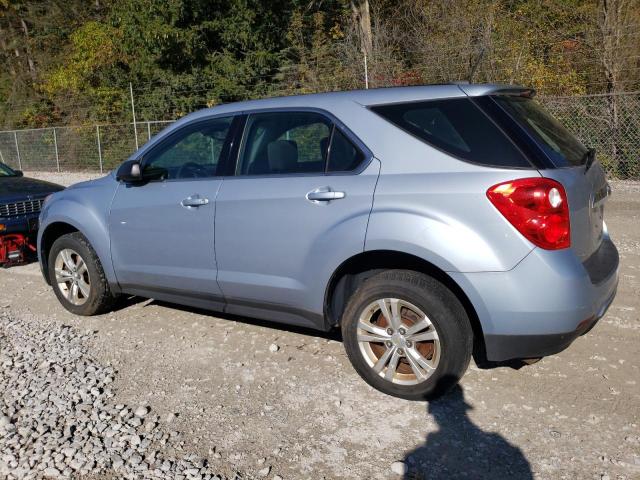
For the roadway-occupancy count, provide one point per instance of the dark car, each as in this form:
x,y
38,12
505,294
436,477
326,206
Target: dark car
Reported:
x,y
21,199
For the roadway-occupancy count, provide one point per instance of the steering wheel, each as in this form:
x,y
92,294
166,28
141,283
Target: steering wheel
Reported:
x,y
192,170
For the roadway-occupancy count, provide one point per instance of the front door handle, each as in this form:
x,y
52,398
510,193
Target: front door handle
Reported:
x,y
324,194
194,201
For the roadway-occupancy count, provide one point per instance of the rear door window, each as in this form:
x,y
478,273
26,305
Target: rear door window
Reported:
x,y
457,127
284,143
558,143
277,143
344,156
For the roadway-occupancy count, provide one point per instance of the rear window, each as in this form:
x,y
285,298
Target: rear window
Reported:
x,y
457,127
559,144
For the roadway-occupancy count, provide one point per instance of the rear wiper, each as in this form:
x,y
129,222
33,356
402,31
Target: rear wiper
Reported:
x,y
588,158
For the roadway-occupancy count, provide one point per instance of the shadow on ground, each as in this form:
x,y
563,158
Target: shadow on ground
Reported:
x,y
459,449
333,334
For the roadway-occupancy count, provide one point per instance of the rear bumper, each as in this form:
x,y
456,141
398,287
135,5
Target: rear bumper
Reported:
x,y
541,306
507,347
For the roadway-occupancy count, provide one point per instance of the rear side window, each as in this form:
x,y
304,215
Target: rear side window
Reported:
x,y
558,143
457,127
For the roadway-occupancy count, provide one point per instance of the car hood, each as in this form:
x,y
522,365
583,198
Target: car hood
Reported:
x,y
24,187
108,178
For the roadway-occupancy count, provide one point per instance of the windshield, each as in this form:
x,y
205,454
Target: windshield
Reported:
x,y
5,171
559,144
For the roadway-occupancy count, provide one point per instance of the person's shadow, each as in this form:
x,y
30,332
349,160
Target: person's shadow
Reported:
x,y
459,449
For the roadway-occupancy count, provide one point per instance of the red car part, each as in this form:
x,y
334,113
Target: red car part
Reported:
x,y
14,248
538,208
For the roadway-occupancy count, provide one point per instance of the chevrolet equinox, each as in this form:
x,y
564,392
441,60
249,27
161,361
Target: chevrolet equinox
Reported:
x,y
427,223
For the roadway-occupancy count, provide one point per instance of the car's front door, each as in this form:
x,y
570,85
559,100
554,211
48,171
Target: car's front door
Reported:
x,y
162,231
297,206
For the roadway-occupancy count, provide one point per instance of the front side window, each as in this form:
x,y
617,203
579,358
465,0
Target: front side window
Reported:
x,y
558,143
284,142
457,127
194,153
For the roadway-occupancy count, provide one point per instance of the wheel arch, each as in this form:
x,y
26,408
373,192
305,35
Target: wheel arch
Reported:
x,y
49,235
55,228
355,270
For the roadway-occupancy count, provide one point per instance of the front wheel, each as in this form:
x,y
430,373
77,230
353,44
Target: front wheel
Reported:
x,y
77,276
407,335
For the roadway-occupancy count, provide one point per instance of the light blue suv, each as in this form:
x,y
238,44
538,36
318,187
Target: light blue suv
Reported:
x,y
427,223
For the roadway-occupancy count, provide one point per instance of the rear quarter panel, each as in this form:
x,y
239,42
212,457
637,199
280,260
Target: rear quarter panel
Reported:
x,y
445,217
432,205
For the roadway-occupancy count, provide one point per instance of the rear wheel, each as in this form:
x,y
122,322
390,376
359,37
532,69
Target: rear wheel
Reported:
x,y
77,276
407,335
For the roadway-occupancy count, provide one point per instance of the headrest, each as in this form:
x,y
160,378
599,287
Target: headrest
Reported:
x,y
282,156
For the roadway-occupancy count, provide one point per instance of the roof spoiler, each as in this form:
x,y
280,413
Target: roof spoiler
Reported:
x,y
476,90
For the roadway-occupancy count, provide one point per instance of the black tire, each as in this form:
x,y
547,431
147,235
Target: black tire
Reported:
x,y
446,314
100,298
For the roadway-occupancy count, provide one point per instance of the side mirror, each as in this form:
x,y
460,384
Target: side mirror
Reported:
x,y
129,172
19,173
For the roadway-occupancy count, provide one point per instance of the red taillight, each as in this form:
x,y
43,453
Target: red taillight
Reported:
x,y
537,207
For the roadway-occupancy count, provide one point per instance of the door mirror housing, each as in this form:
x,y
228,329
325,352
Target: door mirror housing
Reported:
x,y
132,171
129,172
19,173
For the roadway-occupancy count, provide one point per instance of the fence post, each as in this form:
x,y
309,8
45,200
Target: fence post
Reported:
x,y
99,147
133,112
366,72
15,138
55,144
148,131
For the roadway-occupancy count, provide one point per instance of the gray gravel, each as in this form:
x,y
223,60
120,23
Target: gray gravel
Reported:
x,y
65,178
57,418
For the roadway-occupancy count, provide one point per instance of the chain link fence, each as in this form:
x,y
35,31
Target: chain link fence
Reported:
x,y
75,148
608,123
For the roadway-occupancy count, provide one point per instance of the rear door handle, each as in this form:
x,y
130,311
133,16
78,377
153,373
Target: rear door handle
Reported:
x,y
194,201
324,194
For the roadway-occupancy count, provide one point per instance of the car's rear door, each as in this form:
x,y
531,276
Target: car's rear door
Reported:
x,y
297,205
162,232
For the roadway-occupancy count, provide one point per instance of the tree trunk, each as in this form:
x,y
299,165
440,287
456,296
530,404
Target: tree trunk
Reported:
x,y
613,18
362,19
27,48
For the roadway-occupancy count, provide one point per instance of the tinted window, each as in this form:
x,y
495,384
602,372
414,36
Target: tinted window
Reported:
x,y
559,144
193,153
343,155
5,171
458,127
284,142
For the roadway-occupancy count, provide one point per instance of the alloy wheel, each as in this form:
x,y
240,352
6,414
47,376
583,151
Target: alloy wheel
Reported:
x,y
72,276
398,341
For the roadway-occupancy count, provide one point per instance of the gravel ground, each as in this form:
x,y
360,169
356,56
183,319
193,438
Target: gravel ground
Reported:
x,y
64,178
58,418
256,399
